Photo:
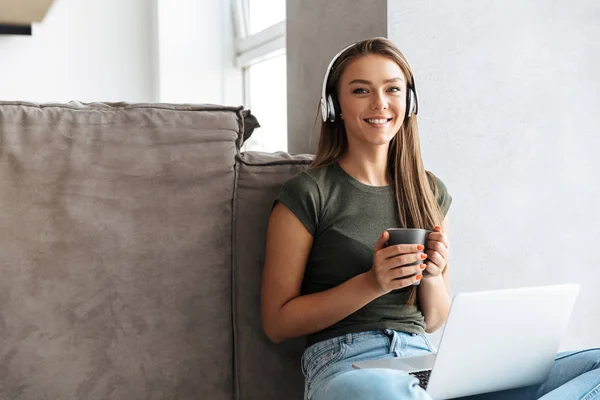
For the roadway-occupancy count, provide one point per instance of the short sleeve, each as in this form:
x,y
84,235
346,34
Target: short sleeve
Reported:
x,y
300,194
443,198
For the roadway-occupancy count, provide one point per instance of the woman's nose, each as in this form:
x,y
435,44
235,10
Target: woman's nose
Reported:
x,y
379,102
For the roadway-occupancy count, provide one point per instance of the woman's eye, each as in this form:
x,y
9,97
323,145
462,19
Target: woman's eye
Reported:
x,y
395,89
359,91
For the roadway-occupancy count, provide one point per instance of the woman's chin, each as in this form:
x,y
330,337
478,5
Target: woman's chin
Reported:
x,y
384,137
371,138
379,141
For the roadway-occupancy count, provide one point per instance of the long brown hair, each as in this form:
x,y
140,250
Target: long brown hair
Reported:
x,y
415,197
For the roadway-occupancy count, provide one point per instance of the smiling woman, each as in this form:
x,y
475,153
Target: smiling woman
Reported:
x,y
329,274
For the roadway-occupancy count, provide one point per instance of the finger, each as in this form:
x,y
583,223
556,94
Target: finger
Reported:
x,y
401,283
432,268
409,270
439,237
382,240
398,249
437,246
405,259
436,258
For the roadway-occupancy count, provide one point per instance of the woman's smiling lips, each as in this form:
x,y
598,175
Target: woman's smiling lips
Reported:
x,y
378,121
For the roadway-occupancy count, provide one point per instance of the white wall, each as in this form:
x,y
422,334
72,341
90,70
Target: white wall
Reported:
x,y
83,50
509,99
196,53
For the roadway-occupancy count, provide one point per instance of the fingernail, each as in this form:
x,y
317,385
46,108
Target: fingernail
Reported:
x,y
423,266
423,256
420,247
418,277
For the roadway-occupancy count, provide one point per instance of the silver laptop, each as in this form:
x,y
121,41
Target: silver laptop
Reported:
x,y
493,340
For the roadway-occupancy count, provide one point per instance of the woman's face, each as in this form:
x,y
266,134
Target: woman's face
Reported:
x,y
372,97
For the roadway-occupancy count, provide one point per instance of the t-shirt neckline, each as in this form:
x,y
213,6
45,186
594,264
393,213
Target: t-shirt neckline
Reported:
x,y
364,187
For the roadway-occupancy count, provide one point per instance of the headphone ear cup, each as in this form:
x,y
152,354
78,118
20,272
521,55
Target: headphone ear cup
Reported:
x,y
324,111
415,101
331,108
410,103
336,106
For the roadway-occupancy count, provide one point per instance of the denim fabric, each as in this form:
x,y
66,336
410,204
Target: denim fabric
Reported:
x,y
328,372
328,359
574,376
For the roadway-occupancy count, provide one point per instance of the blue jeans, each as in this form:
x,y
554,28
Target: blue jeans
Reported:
x,y
327,368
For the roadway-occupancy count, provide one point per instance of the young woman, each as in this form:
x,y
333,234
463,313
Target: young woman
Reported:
x,y
328,274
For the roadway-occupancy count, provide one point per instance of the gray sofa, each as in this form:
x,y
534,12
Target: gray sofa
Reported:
x,y
132,243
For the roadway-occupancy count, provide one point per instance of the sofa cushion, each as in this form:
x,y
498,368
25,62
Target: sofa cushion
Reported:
x,y
263,370
115,261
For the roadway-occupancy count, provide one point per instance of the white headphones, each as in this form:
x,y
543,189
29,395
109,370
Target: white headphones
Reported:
x,y
330,106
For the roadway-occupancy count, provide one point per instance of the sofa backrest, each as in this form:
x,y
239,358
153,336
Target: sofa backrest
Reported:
x,y
263,370
115,262
131,255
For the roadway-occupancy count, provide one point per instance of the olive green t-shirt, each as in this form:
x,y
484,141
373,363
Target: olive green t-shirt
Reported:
x,y
345,218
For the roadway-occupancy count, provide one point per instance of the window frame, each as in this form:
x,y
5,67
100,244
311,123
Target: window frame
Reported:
x,y
255,48
260,46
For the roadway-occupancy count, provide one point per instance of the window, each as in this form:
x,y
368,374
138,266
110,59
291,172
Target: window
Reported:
x,y
264,13
267,101
260,47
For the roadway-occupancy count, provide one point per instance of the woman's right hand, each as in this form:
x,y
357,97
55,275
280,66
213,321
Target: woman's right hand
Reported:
x,y
388,264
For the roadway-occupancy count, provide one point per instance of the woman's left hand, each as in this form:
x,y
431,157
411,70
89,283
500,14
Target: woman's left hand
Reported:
x,y
438,252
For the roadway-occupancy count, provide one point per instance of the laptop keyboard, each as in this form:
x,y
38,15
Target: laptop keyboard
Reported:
x,y
423,377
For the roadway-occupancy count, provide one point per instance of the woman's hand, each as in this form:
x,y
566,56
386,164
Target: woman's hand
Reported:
x,y
438,252
386,271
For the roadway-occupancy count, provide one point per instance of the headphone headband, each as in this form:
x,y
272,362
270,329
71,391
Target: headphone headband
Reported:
x,y
327,101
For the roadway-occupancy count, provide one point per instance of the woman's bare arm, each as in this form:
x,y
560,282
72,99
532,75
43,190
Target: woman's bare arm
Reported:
x,y
287,314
